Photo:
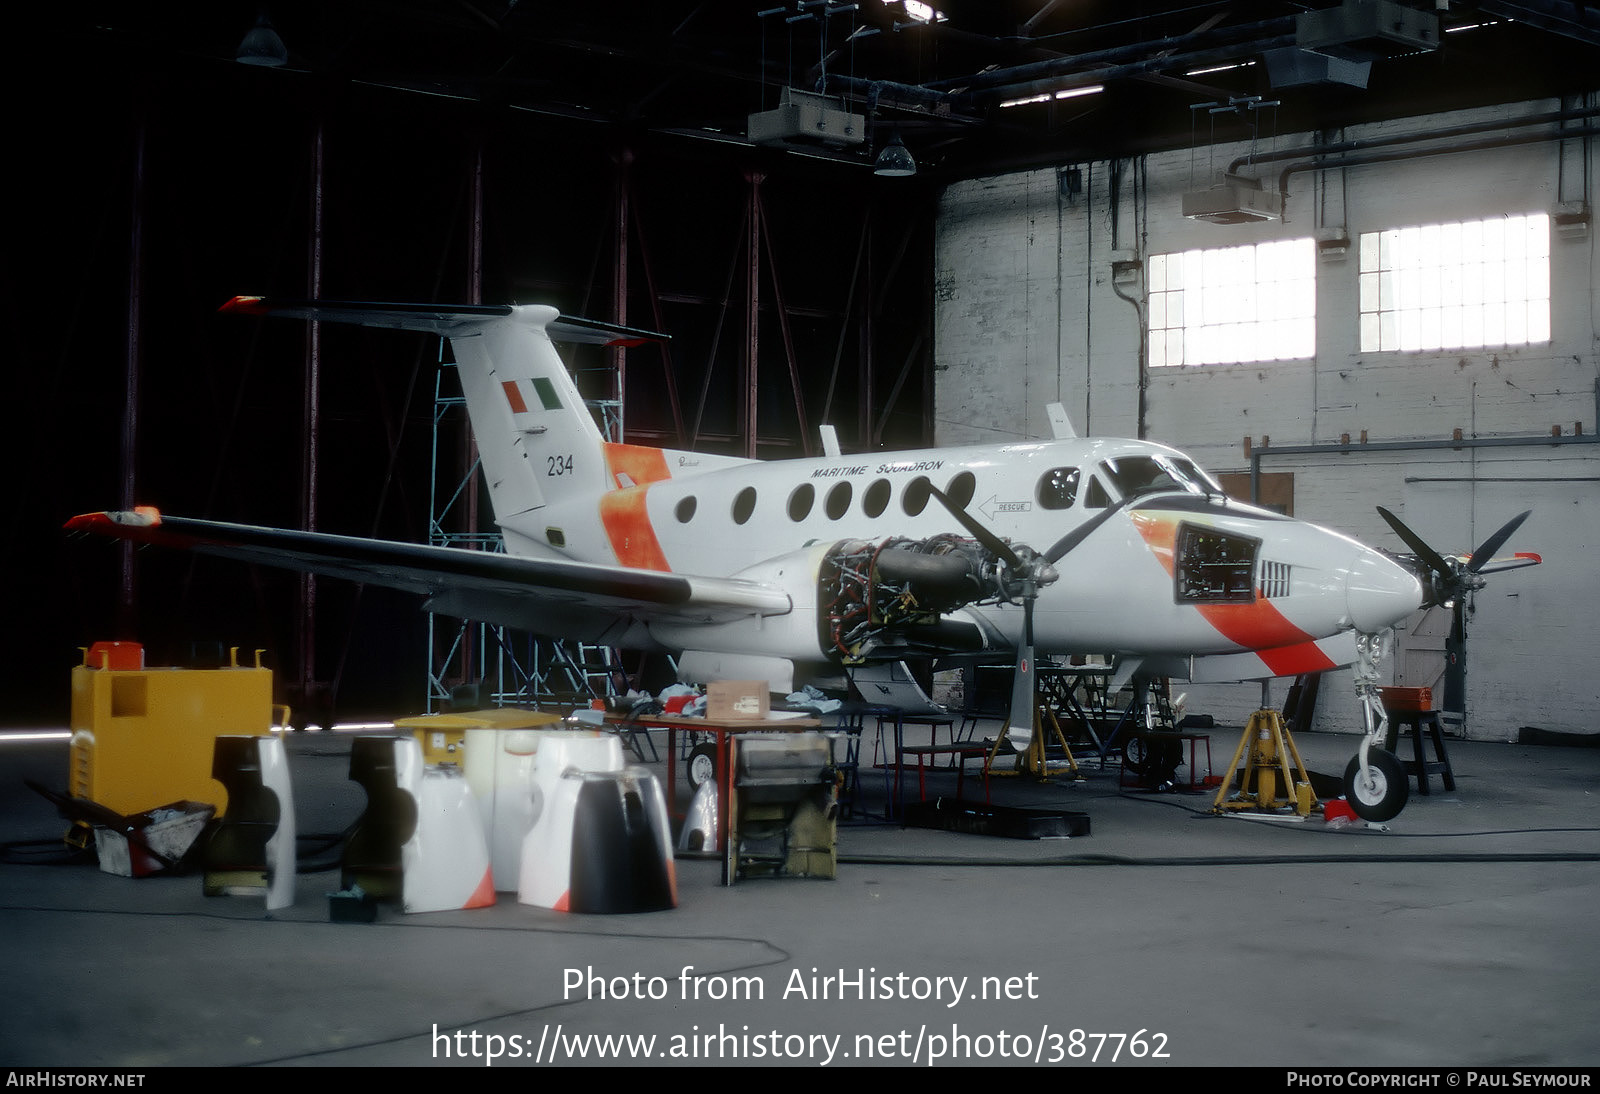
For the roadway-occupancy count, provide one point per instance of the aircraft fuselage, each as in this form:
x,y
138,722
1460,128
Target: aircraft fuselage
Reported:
x,y
1166,565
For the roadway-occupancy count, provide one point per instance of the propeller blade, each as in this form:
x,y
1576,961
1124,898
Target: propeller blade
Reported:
x,y
1418,547
992,542
1075,537
1019,727
1488,547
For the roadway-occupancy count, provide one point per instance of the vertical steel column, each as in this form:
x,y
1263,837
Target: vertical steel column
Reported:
x,y
869,311
658,321
807,446
130,406
623,159
469,464
311,413
749,365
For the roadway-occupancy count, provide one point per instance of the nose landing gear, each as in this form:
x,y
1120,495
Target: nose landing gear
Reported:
x,y
1375,781
1381,792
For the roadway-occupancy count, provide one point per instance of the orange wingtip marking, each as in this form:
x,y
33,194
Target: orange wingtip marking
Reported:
x,y
143,516
1528,555
561,904
250,305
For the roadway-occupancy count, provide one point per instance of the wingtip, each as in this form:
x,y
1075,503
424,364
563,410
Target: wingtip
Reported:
x,y
245,305
109,523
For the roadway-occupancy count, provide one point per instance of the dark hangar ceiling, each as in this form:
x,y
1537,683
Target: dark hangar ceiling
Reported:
x,y
685,70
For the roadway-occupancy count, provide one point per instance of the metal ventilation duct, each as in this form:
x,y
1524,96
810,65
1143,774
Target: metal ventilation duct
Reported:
x,y
803,117
1359,30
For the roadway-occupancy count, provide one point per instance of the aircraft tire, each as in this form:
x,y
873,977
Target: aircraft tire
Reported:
x,y
701,767
1135,753
1389,790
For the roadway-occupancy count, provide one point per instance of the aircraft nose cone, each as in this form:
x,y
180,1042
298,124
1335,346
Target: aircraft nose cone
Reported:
x,y
1379,592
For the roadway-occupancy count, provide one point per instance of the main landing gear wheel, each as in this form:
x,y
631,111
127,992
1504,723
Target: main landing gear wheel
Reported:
x,y
1385,795
702,765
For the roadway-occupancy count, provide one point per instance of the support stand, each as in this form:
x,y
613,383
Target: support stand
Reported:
x,y
1032,760
1272,751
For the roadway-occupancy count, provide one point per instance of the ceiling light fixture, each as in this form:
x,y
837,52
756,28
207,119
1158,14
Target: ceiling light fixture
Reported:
x,y
262,46
895,160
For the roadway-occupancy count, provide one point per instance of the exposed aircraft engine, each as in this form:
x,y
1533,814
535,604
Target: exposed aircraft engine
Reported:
x,y
874,593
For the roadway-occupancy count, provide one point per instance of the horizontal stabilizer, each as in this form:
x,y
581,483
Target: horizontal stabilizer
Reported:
x,y
441,319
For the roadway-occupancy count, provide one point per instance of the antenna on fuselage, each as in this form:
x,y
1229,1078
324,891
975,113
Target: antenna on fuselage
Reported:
x,y
830,440
1060,425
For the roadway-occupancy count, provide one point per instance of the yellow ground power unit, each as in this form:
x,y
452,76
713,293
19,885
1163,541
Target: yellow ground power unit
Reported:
x,y
143,737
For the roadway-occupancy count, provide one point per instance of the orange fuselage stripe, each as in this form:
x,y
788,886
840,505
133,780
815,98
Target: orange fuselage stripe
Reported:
x,y
627,525
641,465
623,511
1258,626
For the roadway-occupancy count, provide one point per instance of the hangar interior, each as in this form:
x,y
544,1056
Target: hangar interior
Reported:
x,y
1075,166
464,152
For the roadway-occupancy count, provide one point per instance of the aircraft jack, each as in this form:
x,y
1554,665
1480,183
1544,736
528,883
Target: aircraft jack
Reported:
x,y
1032,760
1271,749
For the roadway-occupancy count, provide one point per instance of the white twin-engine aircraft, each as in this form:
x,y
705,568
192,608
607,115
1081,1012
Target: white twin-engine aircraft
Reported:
x,y
749,569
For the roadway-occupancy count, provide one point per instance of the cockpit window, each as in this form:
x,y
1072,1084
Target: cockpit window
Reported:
x,y
1058,488
1095,497
1137,475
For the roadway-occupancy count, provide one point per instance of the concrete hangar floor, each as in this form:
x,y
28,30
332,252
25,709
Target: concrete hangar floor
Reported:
x,y
1460,934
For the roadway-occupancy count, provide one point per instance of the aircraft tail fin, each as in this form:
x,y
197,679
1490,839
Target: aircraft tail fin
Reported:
x,y
538,443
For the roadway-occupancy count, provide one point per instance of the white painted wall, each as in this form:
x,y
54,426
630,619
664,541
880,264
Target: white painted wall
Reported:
x,y
1028,313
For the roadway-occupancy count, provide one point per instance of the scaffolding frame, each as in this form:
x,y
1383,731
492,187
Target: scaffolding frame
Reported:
x,y
518,668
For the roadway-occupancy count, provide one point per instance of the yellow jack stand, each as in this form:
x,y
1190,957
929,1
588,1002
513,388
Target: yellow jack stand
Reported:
x,y
1269,758
1032,760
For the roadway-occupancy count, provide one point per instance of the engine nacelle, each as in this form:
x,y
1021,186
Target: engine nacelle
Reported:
x,y
859,600
896,593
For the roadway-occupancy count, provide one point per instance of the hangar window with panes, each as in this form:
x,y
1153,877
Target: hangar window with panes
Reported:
x,y
1456,286
1233,305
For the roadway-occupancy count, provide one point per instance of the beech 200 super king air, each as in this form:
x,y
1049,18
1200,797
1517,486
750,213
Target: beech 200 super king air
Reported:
x,y
749,569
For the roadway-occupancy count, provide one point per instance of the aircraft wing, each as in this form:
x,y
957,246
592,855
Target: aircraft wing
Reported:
x,y
1510,562
540,595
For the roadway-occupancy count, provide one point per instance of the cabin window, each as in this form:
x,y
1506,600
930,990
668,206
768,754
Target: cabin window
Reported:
x,y
685,510
961,489
555,537
915,498
838,502
875,498
744,504
801,500
1058,488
